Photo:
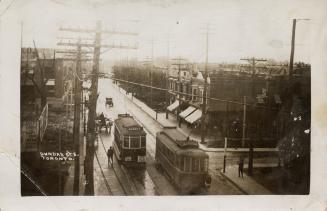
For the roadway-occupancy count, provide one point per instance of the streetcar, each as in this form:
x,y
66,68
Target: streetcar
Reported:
x,y
129,141
185,164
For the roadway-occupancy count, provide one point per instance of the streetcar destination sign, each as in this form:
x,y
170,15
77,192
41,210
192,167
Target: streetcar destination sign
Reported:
x,y
134,128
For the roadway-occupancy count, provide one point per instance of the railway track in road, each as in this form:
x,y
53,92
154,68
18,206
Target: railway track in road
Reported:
x,y
130,179
111,178
103,175
162,183
221,185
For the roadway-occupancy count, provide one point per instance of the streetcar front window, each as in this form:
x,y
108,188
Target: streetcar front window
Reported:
x,y
202,165
195,164
181,163
187,164
135,142
142,141
206,163
126,142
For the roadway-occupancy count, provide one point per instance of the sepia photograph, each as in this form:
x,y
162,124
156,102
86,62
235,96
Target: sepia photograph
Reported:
x,y
163,105
169,99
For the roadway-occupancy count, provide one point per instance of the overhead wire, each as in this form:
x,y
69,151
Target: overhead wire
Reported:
x,y
198,96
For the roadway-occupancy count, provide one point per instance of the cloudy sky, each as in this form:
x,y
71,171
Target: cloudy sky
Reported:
x,y
237,28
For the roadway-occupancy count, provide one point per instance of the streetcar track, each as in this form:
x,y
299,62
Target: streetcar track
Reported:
x,y
113,168
127,173
154,135
150,150
104,177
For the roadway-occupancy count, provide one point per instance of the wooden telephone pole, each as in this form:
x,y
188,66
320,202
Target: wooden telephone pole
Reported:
x,y
77,119
253,61
179,88
204,97
89,158
77,108
290,71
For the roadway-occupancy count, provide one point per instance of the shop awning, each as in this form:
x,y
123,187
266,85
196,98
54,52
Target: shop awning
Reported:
x,y
173,106
187,112
195,116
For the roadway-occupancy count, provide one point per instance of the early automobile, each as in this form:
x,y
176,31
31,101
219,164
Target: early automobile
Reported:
x,y
109,101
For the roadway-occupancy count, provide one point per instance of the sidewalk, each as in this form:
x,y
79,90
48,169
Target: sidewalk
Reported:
x,y
246,184
172,121
68,187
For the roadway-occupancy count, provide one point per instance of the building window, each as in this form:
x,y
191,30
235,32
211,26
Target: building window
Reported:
x,y
195,94
201,95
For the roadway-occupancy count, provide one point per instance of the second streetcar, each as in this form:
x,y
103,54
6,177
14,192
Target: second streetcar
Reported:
x,y
183,161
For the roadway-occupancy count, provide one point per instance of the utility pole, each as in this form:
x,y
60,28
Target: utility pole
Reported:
x,y
77,110
167,78
253,61
293,44
91,136
89,189
179,90
244,121
292,48
151,72
77,115
204,97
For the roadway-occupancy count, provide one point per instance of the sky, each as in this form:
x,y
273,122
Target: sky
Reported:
x,y
176,28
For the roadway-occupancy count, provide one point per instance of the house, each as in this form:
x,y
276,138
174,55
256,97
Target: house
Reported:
x,y
41,75
186,89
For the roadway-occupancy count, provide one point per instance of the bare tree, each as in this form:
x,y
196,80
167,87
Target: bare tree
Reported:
x,y
40,84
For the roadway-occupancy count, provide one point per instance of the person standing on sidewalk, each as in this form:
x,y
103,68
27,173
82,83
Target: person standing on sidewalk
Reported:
x,y
240,167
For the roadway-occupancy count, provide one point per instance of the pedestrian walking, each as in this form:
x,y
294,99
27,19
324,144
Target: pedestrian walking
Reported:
x,y
109,155
112,155
110,125
240,167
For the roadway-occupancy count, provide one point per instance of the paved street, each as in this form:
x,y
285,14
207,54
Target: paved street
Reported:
x,y
146,181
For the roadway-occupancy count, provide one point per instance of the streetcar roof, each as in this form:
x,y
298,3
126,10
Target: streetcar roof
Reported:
x,y
180,139
128,126
172,145
193,153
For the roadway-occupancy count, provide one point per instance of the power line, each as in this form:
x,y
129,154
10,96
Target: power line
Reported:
x,y
209,98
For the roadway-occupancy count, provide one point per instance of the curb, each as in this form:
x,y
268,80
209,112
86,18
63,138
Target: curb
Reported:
x,y
234,183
